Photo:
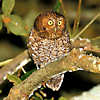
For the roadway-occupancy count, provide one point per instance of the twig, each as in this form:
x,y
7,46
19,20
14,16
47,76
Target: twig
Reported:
x,y
77,19
65,14
5,62
23,58
98,15
11,67
75,60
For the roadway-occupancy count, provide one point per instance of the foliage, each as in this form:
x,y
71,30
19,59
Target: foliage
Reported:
x,y
62,98
14,23
7,6
23,77
57,6
14,79
0,22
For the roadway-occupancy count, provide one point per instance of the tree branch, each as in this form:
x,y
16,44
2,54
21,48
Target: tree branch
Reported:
x,y
13,65
23,58
75,60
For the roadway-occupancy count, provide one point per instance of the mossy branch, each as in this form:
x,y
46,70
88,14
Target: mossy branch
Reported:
x,y
75,60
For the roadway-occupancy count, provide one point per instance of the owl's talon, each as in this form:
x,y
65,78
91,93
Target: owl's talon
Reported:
x,y
39,95
43,94
44,84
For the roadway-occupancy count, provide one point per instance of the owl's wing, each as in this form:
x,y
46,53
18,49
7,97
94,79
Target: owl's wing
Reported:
x,y
55,82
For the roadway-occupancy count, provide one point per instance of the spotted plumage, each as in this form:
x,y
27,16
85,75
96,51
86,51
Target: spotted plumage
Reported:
x,y
49,41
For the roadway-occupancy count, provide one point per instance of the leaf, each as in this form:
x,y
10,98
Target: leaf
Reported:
x,y
57,6
62,98
0,22
0,91
27,74
29,20
15,24
36,98
7,6
14,79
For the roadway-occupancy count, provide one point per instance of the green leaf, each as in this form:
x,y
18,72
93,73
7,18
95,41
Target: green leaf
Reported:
x,y
7,6
0,91
27,74
57,6
29,20
14,79
62,98
35,98
0,22
15,24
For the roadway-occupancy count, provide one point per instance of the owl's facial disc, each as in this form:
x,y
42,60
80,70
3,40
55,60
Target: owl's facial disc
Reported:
x,y
52,28
50,25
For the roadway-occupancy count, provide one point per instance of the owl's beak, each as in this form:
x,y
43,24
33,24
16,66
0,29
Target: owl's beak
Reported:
x,y
55,29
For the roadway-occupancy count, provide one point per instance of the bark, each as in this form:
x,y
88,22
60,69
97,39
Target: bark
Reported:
x,y
77,59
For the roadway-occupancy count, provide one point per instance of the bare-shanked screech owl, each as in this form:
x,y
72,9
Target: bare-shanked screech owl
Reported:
x,y
49,41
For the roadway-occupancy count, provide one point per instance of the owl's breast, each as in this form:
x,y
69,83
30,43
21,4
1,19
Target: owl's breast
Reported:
x,y
44,51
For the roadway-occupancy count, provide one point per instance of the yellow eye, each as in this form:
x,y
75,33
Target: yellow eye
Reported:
x,y
50,22
59,22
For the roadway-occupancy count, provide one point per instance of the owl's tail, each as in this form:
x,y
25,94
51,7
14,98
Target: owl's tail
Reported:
x,y
55,82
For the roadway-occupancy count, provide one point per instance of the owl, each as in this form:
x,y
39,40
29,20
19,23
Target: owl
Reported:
x,y
49,41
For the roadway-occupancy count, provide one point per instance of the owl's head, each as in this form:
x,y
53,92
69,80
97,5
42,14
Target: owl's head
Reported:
x,y
50,25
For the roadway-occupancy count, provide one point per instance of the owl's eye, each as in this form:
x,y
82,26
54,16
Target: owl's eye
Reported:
x,y
50,22
59,22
